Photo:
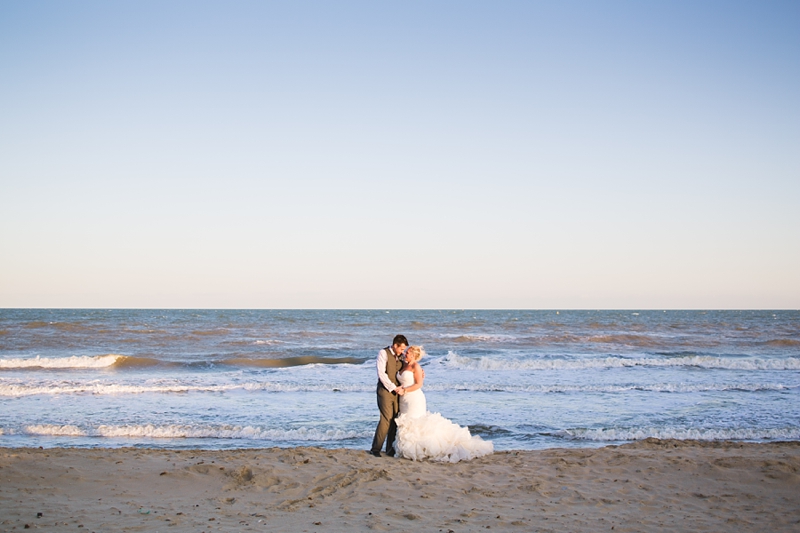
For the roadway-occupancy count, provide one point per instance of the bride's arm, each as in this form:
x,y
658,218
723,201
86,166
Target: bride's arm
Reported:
x,y
419,378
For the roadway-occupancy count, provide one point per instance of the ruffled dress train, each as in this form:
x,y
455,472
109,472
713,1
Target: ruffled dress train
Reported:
x,y
430,436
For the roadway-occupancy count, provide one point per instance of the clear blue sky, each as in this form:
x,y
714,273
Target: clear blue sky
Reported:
x,y
405,154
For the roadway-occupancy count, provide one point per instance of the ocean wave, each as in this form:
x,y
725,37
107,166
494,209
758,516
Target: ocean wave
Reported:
x,y
36,324
659,387
63,326
476,337
177,431
257,342
623,434
210,332
17,390
284,362
144,331
55,430
453,360
627,339
293,387
76,361
783,342
128,361
20,389
229,432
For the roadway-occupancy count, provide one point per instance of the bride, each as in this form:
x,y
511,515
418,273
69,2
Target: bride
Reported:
x,y
424,435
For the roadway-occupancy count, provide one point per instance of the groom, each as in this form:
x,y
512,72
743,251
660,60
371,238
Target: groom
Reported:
x,y
388,390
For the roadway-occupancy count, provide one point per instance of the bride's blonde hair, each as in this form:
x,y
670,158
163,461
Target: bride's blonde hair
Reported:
x,y
417,351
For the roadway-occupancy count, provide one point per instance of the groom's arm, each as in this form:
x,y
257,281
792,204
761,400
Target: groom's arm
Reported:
x,y
382,375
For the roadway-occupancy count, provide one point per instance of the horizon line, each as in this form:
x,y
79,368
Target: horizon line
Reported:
x,y
664,309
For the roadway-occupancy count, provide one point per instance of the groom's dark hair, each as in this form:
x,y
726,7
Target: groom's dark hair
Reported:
x,y
400,339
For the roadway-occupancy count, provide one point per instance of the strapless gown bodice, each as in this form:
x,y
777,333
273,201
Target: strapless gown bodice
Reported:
x,y
412,403
423,435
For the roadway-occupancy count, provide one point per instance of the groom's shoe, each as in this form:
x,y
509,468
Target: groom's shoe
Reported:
x,y
390,453
376,454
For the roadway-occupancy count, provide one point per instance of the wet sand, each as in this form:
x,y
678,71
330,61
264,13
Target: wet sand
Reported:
x,y
645,486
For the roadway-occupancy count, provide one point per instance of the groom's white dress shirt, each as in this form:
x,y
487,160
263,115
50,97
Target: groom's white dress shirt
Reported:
x,y
382,375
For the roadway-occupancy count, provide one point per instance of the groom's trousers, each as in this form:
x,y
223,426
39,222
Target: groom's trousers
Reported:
x,y
389,406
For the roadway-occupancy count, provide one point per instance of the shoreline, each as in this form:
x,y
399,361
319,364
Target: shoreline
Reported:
x,y
648,485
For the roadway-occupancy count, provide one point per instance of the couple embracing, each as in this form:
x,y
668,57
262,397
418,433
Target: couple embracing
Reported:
x,y
405,424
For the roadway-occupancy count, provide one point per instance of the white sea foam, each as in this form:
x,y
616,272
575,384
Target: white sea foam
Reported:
x,y
624,434
227,432
20,389
657,387
55,430
75,361
454,360
195,432
479,337
206,379
16,390
296,387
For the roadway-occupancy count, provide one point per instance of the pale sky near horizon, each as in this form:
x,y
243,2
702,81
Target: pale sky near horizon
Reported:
x,y
400,155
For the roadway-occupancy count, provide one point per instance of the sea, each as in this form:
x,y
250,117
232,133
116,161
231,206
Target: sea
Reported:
x,y
233,379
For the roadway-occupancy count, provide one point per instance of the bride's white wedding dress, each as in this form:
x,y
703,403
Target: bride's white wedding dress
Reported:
x,y
423,435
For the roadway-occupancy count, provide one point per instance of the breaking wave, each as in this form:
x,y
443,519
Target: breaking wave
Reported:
x,y
469,338
195,432
55,430
84,361
22,389
452,359
284,362
18,388
613,434
127,361
658,387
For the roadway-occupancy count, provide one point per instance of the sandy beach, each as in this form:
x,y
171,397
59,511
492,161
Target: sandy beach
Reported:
x,y
645,486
